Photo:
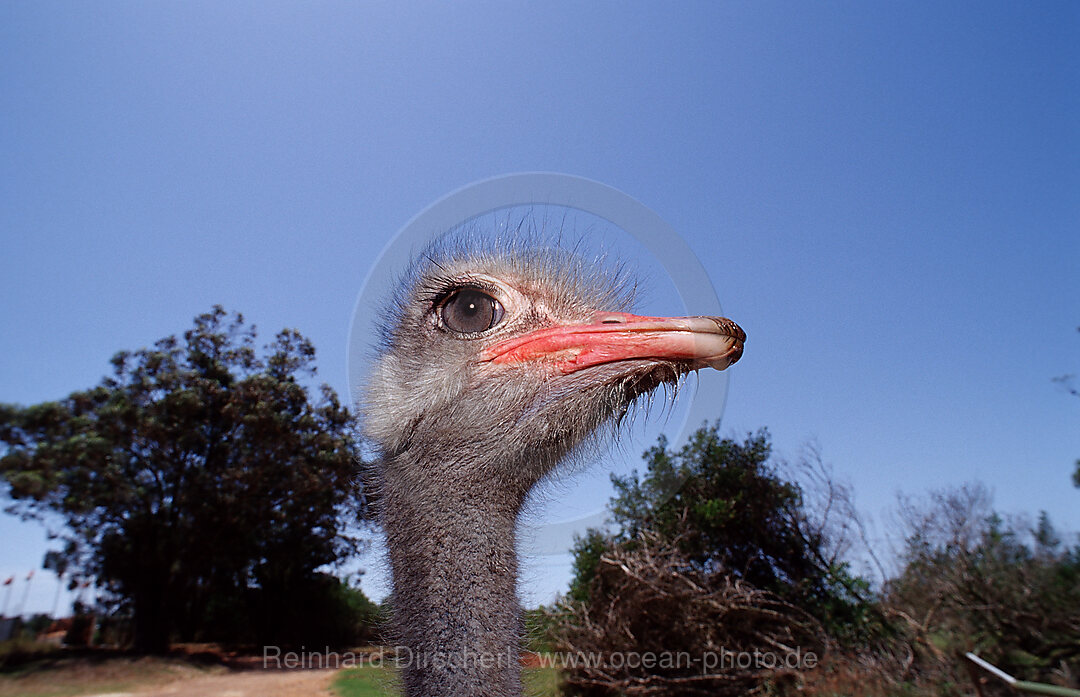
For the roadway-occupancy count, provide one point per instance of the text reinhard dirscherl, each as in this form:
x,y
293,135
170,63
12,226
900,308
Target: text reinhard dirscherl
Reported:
x,y
403,657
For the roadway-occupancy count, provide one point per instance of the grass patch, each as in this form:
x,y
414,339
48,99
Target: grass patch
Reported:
x,y
366,681
371,681
542,682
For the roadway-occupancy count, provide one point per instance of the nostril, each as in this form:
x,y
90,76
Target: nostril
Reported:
x,y
611,319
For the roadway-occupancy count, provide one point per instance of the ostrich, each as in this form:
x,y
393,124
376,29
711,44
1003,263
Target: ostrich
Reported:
x,y
497,362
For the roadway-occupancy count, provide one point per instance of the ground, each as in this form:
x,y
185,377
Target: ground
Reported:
x,y
295,683
157,677
184,676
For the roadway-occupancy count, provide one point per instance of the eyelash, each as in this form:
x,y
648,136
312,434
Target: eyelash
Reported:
x,y
435,298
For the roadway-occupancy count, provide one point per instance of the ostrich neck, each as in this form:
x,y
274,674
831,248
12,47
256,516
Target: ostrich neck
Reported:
x,y
452,552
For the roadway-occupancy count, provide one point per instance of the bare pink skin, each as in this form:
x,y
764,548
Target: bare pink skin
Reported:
x,y
716,342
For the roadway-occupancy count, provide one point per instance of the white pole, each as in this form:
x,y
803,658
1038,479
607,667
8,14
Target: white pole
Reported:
x,y
7,597
26,594
56,600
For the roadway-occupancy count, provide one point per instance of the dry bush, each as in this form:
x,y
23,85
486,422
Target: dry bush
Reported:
x,y
647,599
973,581
880,672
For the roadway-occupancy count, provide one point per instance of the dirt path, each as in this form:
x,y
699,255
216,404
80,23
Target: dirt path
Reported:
x,y
285,683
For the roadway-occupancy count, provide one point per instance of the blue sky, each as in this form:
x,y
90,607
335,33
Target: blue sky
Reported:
x,y
886,195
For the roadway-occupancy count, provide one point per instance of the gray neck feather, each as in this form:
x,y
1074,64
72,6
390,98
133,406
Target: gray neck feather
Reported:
x,y
452,551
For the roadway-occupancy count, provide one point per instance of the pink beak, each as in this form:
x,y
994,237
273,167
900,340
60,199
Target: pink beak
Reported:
x,y
715,342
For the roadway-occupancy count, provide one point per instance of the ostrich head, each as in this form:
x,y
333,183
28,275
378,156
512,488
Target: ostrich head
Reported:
x,y
497,360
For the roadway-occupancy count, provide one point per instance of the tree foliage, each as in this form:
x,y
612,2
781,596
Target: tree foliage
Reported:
x,y
199,482
732,509
972,580
587,552
714,550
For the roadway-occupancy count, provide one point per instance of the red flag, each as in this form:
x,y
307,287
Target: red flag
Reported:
x,y
8,582
30,575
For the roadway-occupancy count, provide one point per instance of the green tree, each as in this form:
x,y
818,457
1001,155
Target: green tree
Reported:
x,y
198,480
586,551
973,580
732,511
727,501
730,508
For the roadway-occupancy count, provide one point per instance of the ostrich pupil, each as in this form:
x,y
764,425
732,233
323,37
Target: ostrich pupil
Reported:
x,y
469,311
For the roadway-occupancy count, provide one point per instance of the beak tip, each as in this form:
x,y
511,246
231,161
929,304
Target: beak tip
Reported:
x,y
728,359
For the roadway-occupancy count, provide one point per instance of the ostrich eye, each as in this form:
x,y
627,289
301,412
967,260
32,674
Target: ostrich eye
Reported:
x,y
470,311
